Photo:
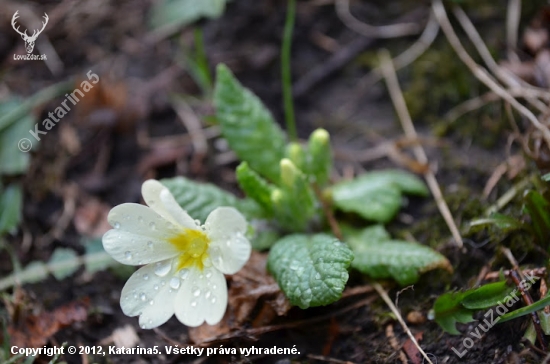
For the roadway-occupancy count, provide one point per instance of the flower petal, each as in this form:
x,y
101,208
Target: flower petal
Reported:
x,y
148,295
202,297
140,235
229,249
159,198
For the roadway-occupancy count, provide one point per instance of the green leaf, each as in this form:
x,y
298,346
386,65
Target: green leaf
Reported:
x,y
539,305
172,14
311,270
11,201
248,126
539,211
294,203
487,295
377,195
320,151
449,310
63,263
199,199
401,260
12,159
503,222
255,187
96,258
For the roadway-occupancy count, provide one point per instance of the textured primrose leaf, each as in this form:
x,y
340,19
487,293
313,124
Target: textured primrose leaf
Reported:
x,y
178,13
294,203
505,223
11,200
12,159
448,311
248,125
379,257
377,195
63,263
487,295
312,270
255,186
199,199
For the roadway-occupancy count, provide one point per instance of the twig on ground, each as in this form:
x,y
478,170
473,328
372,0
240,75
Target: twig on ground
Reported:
x,y
480,73
537,272
397,314
404,59
370,31
513,15
408,127
328,360
394,344
504,75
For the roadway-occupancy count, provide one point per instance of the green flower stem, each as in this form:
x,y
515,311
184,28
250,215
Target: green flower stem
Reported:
x,y
285,70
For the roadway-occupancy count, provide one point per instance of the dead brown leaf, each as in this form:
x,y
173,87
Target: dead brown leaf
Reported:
x,y
30,330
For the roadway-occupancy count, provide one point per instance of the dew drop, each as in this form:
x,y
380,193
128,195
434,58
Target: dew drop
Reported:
x,y
214,286
228,243
143,326
163,283
207,295
151,302
193,303
152,225
213,300
116,225
198,222
162,268
156,287
150,244
175,283
143,297
140,219
140,262
209,274
170,290
201,276
150,322
135,295
184,273
128,255
196,291
146,277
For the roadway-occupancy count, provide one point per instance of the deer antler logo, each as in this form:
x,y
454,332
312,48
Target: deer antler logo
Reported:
x,y
29,40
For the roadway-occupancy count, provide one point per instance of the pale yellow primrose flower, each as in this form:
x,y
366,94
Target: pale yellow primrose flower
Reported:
x,y
184,263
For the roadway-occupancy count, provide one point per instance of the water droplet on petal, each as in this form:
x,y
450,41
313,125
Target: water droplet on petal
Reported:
x,y
213,300
135,295
214,286
207,295
116,225
128,255
152,225
209,274
143,326
228,243
193,303
143,297
146,276
150,244
198,222
156,287
162,268
196,291
140,219
175,283
150,322
184,273
140,262
151,302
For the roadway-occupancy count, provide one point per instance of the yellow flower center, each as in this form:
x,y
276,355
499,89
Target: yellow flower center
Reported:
x,y
193,245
